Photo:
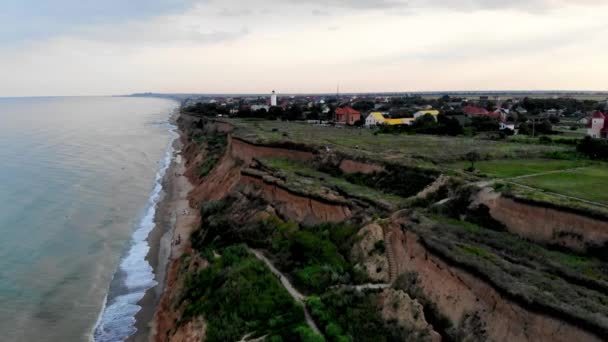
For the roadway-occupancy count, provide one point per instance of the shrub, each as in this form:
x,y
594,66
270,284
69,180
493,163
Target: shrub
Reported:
x,y
593,148
307,335
399,180
237,295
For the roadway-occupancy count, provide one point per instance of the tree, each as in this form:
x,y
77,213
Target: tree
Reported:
x,y
449,126
593,148
472,157
275,113
364,106
484,124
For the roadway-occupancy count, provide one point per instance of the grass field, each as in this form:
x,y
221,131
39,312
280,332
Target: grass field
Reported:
x,y
588,183
508,168
417,150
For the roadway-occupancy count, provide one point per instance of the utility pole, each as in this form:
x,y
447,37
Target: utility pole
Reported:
x,y
338,93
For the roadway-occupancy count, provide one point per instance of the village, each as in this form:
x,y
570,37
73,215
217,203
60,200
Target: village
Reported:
x,y
554,115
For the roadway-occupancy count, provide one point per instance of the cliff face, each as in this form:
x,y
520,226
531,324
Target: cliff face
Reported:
x,y
546,225
294,207
384,251
460,295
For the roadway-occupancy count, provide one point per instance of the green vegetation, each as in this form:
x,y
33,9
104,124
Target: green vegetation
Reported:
x,y
594,148
507,168
401,181
418,150
350,315
546,199
215,145
315,257
589,183
303,176
312,256
237,295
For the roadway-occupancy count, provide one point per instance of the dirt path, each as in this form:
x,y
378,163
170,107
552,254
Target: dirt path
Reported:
x,y
547,173
295,294
364,287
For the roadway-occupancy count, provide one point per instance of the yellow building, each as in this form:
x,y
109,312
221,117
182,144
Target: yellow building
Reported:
x,y
402,121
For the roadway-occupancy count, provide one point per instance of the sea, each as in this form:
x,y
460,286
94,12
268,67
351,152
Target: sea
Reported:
x,y
80,178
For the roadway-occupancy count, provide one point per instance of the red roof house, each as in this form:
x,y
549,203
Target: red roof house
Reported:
x,y
472,110
347,116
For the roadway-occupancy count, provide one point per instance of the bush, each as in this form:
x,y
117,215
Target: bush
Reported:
x,y
307,335
593,148
399,180
238,295
350,315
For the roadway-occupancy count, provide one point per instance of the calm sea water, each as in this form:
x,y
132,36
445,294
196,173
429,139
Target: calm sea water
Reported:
x,y
79,179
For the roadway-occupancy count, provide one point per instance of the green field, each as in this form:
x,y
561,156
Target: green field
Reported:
x,y
418,149
588,183
508,168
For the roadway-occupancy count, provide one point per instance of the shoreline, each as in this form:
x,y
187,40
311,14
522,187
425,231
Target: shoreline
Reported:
x,y
174,217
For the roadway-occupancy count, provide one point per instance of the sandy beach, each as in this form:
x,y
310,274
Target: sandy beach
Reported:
x,y
174,222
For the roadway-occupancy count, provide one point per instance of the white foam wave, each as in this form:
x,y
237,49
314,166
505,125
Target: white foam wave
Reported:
x,y
117,321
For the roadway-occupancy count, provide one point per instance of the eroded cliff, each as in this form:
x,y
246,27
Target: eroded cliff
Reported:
x,y
414,284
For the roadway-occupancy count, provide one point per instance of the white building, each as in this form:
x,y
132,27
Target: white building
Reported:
x,y
273,99
374,119
598,125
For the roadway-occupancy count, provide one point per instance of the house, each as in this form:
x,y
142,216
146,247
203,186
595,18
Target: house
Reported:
x,y
472,110
374,119
347,116
421,113
598,125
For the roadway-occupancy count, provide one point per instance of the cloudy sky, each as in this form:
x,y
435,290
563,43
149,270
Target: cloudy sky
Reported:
x,y
92,47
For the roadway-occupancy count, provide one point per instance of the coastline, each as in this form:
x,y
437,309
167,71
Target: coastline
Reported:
x,y
174,217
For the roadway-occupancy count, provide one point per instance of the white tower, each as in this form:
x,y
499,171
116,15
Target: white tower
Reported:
x,y
273,99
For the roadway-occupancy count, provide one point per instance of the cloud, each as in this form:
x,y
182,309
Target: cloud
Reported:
x,y
39,19
319,13
310,45
523,5
456,5
235,12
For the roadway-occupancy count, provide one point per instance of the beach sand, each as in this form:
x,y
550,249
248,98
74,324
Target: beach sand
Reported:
x,y
174,217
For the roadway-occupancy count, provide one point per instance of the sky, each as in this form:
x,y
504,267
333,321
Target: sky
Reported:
x,y
92,47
